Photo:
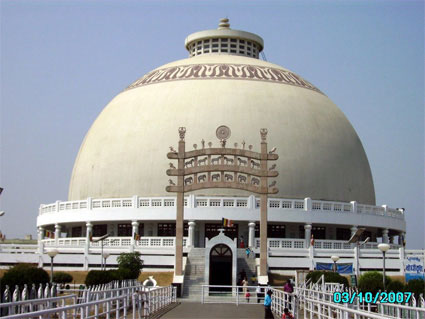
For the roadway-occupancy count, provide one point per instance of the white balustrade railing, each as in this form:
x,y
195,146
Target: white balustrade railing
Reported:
x,y
237,202
282,243
158,242
285,243
18,248
112,242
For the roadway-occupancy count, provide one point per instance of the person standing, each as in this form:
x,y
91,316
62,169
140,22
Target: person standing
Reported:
x,y
289,289
245,289
259,292
268,306
247,251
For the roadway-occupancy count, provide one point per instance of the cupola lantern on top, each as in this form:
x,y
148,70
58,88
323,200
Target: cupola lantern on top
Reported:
x,y
224,41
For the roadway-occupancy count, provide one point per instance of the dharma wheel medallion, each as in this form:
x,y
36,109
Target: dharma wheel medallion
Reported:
x,y
223,132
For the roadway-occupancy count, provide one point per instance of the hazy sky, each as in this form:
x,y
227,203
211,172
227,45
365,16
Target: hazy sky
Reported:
x,y
63,61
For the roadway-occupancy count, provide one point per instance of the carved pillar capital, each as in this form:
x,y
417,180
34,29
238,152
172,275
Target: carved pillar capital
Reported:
x,y
182,133
263,133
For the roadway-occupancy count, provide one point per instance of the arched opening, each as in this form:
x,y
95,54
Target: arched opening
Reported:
x,y
220,266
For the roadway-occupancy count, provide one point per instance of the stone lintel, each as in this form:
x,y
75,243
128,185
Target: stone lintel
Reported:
x,y
234,185
225,151
226,168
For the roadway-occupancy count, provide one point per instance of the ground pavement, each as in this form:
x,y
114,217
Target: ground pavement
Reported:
x,y
187,310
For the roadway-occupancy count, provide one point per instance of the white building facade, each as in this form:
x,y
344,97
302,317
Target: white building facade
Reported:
x,y
118,183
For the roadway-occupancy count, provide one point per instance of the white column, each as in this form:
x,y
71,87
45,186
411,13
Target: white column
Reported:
x,y
385,237
191,201
191,233
57,233
356,258
251,235
89,203
40,237
311,256
251,202
401,256
307,235
89,227
135,201
353,231
135,231
353,206
308,204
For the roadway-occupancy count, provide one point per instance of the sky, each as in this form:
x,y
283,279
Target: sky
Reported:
x,y
63,61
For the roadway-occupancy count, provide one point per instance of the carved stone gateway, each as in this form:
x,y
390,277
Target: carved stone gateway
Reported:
x,y
221,167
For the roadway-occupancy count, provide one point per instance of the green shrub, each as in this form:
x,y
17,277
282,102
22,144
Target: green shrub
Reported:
x,y
125,273
416,286
98,277
24,274
396,286
61,277
129,265
329,277
372,281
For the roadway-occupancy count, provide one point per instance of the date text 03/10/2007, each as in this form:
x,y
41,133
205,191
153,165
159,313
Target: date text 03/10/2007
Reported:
x,y
368,297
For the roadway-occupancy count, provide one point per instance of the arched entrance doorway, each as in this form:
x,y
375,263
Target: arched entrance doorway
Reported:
x,y
221,265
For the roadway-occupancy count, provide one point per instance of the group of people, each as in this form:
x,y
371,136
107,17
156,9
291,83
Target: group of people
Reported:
x,y
266,293
288,288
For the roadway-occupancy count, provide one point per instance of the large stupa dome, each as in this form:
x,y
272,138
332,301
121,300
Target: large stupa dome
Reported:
x,y
222,83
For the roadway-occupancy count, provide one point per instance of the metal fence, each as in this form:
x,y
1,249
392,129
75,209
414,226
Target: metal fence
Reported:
x,y
149,301
115,307
113,300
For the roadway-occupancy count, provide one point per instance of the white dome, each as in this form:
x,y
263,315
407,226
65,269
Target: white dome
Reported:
x,y
124,152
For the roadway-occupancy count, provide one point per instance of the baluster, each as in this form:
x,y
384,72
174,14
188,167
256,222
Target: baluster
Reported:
x,y
125,307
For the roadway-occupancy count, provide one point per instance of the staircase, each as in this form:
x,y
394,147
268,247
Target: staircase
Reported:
x,y
247,264
194,274
195,270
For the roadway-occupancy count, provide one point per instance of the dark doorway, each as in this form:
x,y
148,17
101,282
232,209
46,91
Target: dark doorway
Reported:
x,y
220,266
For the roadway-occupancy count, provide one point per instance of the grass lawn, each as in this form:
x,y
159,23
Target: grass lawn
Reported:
x,y
162,278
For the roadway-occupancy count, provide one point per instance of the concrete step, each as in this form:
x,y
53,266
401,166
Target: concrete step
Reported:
x,y
197,252
197,261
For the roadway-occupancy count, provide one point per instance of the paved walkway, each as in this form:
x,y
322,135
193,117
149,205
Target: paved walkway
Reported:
x,y
188,310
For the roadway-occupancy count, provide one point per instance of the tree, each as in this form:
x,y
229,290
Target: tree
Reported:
x,y
21,274
61,277
416,286
371,281
130,264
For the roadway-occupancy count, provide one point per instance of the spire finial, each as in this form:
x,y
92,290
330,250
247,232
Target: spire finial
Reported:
x,y
224,24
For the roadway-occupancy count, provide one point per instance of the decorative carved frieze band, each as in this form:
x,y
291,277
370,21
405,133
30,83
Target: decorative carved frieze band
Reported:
x,y
223,71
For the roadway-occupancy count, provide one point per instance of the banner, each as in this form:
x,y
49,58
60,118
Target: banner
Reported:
x,y
341,268
414,267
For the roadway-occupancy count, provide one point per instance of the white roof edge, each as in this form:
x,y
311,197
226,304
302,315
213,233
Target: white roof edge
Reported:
x,y
223,33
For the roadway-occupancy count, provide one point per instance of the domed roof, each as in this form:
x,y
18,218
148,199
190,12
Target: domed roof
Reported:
x,y
124,152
